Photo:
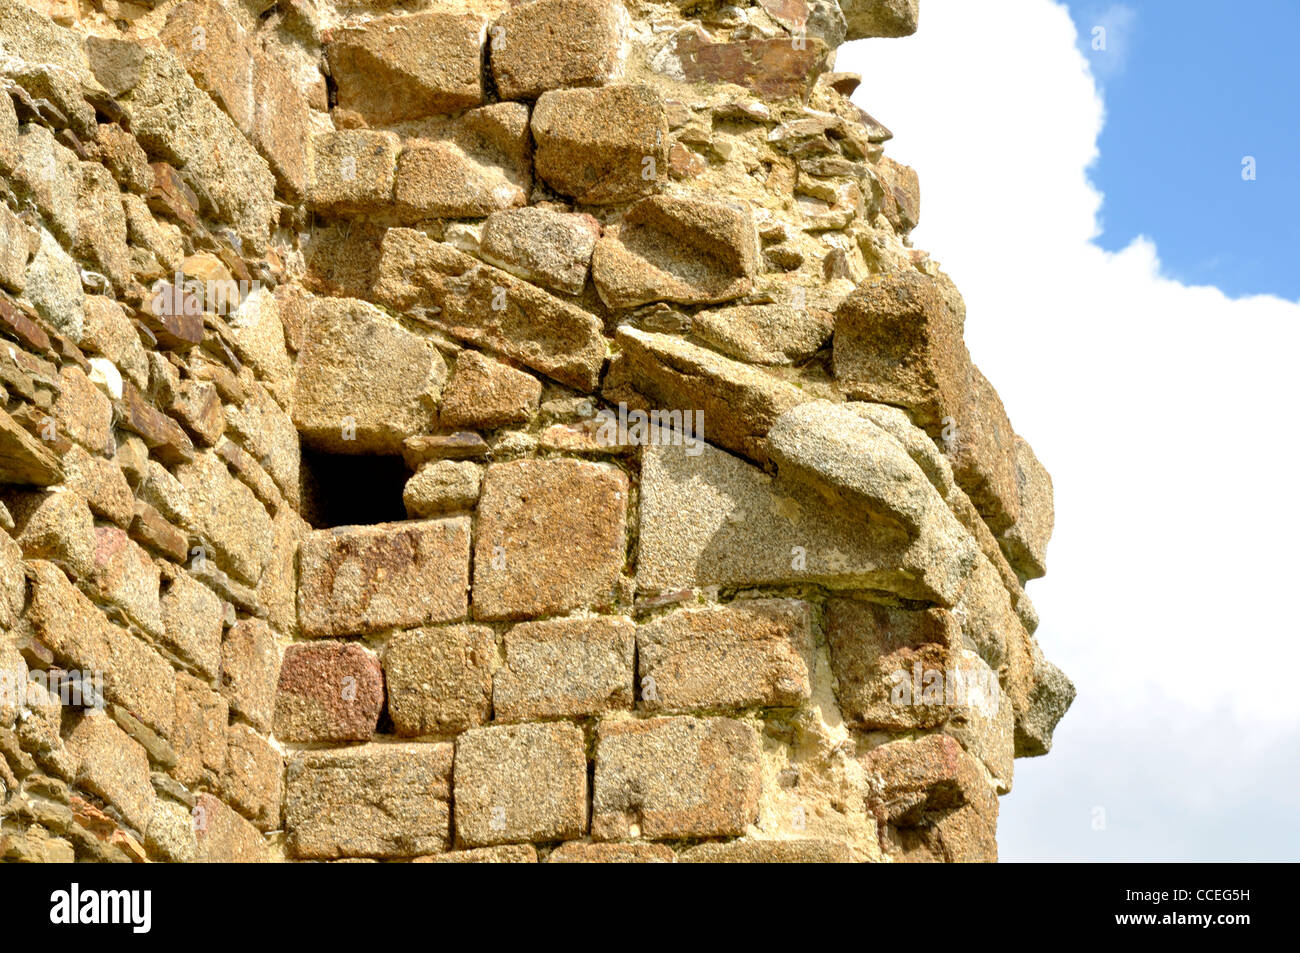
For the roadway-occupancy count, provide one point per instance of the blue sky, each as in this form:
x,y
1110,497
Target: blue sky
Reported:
x,y
1192,87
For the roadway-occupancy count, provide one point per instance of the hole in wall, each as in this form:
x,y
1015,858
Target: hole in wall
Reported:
x,y
341,489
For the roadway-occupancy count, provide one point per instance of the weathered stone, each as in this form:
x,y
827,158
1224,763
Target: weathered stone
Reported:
x,y
520,783
50,175
83,413
192,618
364,382
556,44
675,777
442,486
162,435
250,670
982,448
417,451
440,679
199,738
1025,541
490,308
23,458
198,407
396,68
216,51
262,427
224,837
108,331
352,170
227,515
487,394
895,667
749,851
252,782
357,580
328,691
101,224
541,245
170,835
101,484
708,518
601,146
749,653
388,800
81,637
113,767
734,405
580,852
775,68
126,577
669,249
17,243
438,179
1040,695
565,667
53,286
118,150
900,191
765,334
868,18
551,537
281,124
898,340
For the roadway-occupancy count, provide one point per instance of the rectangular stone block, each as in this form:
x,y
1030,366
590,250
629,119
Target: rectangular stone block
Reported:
x,y
662,778
579,852
555,44
253,779
520,783
749,653
1025,542
551,537
376,800
328,691
113,767
250,670
228,516
361,579
565,668
352,171
199,739
440,679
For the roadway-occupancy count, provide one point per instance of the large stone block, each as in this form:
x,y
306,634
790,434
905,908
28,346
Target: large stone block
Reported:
x,y
253,782
708,518
364,382
250,670
774,68
982,448
113,767
601,146
1025,541
199,739
555,44
352,170
749,653
687,250
361,579
490,308
223,836
869,18
227,515
487,394
390,800
440,679
551,538
542,246
566,668
405,67
667,778
520,783
328,691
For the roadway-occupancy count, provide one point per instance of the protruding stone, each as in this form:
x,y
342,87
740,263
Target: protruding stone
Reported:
x,y
551,538
669,249
486,394
520,783
668,778
442,486
192,623
601,146
252,782
328,691
775,334
353,170
774,68
870,18
541,245
1025,542
358,580
113,767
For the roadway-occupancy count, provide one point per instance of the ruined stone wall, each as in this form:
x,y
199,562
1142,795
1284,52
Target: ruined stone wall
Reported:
x,y
491,431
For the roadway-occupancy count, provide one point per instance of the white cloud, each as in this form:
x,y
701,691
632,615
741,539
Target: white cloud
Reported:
x,y
1163,412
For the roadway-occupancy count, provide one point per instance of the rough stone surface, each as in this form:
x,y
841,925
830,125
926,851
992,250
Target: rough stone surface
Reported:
x,y
250,668
362,579
551,537
440,679
565,667
520,783
675,777
486,394
442,486
556,44
541,245
328,691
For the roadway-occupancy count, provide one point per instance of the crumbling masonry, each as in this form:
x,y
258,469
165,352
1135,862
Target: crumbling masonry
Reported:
x,y
490,431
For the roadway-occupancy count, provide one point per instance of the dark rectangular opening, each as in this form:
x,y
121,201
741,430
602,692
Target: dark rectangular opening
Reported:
x,y
352,490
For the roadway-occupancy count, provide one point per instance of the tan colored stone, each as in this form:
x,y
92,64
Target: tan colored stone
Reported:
x,y
542,246
364,382
250,670
486,394
224,837
442,486
601,146
101,483
82,412
404,67
227,515
982,449
675,777
581,852
126,577
438,180
752,851
192,623
358,580
868,18
520,783
749,653
774,334
1025,541
113,767
773,68
565,668
199,738
551,537
252,782
352,170
440,679
556,44
504,854
376,800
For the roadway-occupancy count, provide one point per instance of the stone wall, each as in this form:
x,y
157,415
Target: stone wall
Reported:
x,y
491,431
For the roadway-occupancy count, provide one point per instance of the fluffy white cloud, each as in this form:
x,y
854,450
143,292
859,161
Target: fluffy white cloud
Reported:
x,y
1163,412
